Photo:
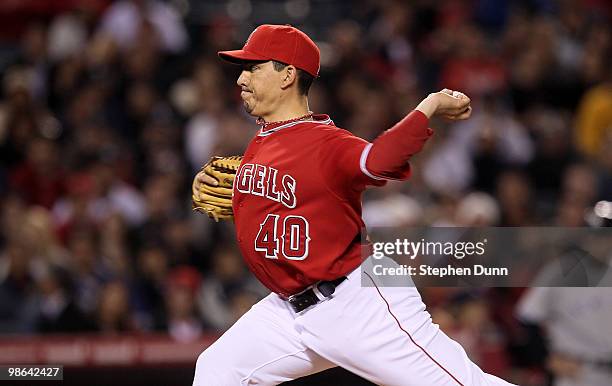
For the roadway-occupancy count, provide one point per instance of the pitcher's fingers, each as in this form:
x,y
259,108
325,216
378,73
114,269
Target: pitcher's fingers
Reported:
x,y
454,110
464,101
459,115
462,96
459,94
207,179
451,102
466,114
195,185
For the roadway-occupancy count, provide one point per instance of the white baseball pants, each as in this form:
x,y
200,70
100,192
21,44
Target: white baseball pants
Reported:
x,y
382,334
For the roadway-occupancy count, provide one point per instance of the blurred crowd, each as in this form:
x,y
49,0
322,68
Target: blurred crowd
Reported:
x,y
109,108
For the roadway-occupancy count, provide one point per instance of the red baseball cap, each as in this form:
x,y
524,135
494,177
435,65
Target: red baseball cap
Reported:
x,y
283,43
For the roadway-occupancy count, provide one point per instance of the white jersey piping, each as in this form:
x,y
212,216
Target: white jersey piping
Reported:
x,y
362,163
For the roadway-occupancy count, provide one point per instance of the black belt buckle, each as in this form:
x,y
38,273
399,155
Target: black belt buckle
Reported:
x,y
299,302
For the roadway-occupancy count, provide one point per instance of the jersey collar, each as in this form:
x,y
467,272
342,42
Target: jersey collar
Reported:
x,y
322,119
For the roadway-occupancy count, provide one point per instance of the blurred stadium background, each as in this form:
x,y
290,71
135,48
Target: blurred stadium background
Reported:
x,y
109,108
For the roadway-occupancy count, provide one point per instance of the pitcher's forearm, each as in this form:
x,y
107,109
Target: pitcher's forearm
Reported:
x,y
391,151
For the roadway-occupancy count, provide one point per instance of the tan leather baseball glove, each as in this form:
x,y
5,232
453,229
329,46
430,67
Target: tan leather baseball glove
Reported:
x,y
216,201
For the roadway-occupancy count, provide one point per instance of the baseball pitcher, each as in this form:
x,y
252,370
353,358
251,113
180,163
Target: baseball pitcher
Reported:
x,y
296,202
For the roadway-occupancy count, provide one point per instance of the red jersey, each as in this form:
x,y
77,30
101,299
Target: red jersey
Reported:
x,y
297,203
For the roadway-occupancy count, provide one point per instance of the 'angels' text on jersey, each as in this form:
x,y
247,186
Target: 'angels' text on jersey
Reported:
x,y
263,181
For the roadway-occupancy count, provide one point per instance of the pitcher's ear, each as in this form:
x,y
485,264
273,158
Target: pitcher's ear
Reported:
x,y
290,76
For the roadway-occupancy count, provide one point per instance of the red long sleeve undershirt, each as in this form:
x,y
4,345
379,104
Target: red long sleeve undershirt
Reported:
x,y
388,157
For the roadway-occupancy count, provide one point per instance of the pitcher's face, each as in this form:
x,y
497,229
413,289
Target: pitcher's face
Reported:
x,y
261,87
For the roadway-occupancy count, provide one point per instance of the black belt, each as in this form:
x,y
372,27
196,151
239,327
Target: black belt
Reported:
x,y
308,297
